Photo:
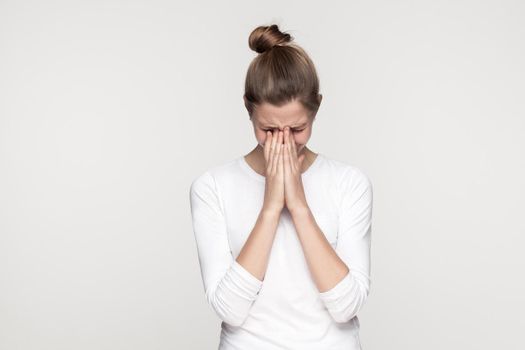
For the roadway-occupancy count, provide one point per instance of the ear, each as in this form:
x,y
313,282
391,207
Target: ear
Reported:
x,y
320,98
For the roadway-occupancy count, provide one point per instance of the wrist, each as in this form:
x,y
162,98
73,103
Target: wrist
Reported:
x,y
300,210
270,213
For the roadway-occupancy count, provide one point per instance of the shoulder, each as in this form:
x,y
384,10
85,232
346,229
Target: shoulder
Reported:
x,y
349,175
207,180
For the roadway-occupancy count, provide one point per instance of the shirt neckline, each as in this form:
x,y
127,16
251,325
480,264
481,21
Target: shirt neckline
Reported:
x,y
244,164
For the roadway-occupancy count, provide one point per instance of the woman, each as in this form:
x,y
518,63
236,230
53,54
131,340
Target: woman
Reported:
x,y
283,234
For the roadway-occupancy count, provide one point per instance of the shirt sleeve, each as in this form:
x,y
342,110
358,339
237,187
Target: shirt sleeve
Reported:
x,y
230,289
346,298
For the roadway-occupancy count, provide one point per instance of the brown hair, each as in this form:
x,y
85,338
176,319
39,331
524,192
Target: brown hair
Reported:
x,y
281,72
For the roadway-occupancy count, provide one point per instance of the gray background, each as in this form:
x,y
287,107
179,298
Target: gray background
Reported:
x,y
109,109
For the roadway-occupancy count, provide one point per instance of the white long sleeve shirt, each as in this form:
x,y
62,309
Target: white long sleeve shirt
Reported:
x,y
285,310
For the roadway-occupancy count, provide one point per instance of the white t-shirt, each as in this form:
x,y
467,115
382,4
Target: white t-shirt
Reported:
x,y
285,310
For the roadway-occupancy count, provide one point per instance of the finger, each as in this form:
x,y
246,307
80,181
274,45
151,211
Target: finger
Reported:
x,y
268,150
283,152
267,144
294,151
277,163
280,161
286,156
280,138
276,143
272,152
294,148
276,150
286,136
293,161
274,139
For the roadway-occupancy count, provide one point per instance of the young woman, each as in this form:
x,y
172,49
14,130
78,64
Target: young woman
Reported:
x,y
283,234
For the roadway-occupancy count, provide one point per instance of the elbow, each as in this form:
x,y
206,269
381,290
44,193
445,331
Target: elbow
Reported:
x,y
348,306
233,296
226,313
234,322
234,314
343,316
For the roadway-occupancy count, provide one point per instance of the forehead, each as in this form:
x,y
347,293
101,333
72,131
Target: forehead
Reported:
x,y
292,114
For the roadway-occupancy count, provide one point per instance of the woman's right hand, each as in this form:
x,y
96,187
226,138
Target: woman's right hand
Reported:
x,y
274,189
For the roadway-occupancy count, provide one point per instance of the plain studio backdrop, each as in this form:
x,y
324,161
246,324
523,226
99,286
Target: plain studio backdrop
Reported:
x,y
109,109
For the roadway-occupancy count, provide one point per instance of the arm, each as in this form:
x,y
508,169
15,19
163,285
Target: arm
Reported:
x,y
341,275
231,286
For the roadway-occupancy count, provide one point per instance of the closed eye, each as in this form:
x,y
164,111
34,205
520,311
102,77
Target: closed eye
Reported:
x,y
292,130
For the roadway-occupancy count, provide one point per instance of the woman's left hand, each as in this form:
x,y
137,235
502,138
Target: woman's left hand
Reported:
x,y
293,183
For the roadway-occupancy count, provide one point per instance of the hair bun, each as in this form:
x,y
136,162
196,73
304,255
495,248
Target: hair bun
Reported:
x,y
264,38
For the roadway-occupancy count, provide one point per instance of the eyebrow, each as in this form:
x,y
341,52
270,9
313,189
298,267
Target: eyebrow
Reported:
x,y
292,127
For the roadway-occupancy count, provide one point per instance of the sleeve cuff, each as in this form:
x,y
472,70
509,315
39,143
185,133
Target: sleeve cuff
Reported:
x,y
250,282
342,288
